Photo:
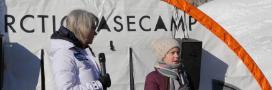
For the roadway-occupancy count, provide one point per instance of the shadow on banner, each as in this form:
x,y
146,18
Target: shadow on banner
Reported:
x,y
212,68
19,67
22,68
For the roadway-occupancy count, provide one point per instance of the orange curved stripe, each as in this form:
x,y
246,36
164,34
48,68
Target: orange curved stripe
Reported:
x,y
221,33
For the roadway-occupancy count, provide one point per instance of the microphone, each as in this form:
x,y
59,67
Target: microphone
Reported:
x,y
102,61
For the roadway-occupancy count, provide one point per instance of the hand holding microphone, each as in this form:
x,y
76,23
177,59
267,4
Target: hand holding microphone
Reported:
x,y
104,77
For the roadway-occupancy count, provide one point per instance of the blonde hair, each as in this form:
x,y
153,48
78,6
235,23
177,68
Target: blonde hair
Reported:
x,y
81,22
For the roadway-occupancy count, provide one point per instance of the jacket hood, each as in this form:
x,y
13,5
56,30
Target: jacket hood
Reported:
x,y
65,34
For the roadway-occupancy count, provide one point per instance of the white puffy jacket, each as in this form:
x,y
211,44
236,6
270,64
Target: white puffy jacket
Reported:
x,y
73,68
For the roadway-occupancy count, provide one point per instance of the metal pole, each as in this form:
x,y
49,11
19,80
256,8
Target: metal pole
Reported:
x,y
131,77
42,71
2,62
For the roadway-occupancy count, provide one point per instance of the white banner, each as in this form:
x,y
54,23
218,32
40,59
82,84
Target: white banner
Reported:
x,y
28,24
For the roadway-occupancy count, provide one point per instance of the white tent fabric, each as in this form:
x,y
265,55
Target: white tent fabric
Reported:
x,y
248,21
132,24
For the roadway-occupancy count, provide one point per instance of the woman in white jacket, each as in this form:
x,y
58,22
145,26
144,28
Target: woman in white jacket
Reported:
x,y
73,63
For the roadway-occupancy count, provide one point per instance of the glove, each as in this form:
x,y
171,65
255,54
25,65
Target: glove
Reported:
x,y
105,80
